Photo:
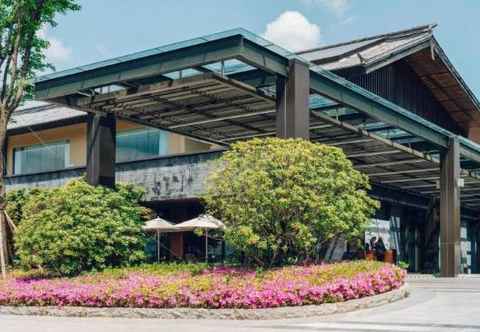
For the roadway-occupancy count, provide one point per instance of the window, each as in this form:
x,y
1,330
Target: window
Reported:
x,y
41,158
141,144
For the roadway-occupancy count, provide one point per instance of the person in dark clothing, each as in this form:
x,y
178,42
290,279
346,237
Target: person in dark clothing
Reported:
x,y
367,247
373,241
380,249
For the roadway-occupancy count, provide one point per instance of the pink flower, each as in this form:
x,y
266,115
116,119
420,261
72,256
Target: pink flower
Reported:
x,y
215,288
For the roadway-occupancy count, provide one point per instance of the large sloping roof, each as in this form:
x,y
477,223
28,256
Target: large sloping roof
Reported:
x,y
367,51
43,115
419,48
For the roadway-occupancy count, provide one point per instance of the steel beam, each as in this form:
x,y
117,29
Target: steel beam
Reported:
x,y
412,180
371,154
409,171
342,91
346,142
263,58
347,93
144,67
101,134
221,118
237,45
475,198
392,163
419,186
293,114
271,133
450,210
465,189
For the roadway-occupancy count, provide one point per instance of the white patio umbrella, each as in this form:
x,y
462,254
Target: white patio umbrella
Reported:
x,y
159,225
204,221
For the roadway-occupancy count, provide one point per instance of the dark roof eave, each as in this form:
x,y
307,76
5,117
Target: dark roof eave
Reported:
x,y
383,61
427,27
391,57
456,75
422,44
48,125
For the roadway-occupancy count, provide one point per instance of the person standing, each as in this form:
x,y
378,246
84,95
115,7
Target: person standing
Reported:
x,y
373,242
380,249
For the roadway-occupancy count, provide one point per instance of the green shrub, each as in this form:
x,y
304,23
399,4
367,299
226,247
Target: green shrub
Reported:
x,y
16,200
283,200
403,265
79,227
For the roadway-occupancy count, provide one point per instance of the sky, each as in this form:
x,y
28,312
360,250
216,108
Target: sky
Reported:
x,y
108,28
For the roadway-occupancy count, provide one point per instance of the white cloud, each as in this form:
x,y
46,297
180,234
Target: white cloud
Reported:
x,y
338,7
57,52
293,31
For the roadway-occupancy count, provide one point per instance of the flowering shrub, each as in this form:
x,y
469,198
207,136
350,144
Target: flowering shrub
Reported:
x,y
212,288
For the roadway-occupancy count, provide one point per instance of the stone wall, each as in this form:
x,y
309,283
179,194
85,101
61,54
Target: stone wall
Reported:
x,y
169,177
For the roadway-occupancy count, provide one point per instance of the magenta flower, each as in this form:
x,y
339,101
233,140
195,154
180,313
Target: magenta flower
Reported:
x,y
214,288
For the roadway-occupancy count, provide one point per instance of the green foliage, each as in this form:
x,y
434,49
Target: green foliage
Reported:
x,y
23,45
16,201
161,269
79,227
22,56
403,265
282,200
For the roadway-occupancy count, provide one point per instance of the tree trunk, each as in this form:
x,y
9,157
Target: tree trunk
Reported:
x,y
3,243
3,203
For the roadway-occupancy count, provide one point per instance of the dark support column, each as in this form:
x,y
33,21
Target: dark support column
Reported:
x,y
450,210
293,115
101,133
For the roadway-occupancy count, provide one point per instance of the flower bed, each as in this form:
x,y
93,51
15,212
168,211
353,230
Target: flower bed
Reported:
x,y
211,288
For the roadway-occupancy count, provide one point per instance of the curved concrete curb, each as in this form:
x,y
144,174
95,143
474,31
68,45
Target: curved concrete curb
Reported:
x,y
194,313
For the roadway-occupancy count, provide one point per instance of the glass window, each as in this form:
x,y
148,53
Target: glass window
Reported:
x,y
141,144
41,158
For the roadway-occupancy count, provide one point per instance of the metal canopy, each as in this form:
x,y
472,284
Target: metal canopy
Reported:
x,y
390,163
151,88
253,51
207,105
232,44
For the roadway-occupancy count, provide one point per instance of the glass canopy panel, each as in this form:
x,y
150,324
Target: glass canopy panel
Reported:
x,y
317,101
182,73
172,47
231,66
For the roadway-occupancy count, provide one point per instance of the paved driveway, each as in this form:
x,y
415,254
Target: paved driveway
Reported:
x,y
435,305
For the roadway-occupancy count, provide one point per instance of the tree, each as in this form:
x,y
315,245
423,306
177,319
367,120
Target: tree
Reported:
x,y
283,199
21,57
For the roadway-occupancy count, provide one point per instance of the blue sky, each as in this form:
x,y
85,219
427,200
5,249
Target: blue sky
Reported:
x,y
109,28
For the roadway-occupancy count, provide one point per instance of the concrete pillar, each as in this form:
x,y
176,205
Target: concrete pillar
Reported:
x,y
450,210
101,136
293,115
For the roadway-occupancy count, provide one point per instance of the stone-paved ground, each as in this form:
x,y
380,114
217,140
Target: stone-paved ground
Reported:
x,y
434,305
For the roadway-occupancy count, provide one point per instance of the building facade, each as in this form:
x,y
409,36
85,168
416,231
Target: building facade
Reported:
x,y
393,102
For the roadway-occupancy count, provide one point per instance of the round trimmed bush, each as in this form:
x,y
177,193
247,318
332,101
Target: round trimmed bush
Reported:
x,y
79,227
283,200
